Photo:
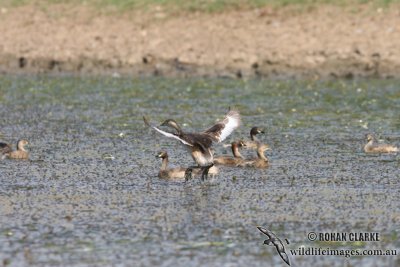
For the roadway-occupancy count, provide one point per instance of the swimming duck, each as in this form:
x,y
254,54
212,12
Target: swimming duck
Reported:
x,y
254,142
178,173
173,173
199,144
20,153
231,161
372,147
260,162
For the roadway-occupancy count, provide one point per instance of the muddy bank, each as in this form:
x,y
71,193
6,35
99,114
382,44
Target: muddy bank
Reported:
x,y
328,41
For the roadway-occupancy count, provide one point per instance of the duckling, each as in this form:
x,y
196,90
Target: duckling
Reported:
x,y
231,161
20,153
372,147
254,142
260,162
178,173
199,144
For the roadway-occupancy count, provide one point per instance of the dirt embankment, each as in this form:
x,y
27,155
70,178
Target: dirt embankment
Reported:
x,y
323,42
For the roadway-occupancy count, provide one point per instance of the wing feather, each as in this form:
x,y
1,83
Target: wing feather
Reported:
x,y
222,129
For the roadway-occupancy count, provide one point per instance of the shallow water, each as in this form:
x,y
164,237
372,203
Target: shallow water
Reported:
x,y
90,195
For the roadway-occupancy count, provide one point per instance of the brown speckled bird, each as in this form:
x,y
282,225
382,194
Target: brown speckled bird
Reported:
x,y
229,160
260,162
20,153
178,173
254,142
373,147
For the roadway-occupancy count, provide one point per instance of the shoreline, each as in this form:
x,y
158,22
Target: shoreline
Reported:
x,y
325,42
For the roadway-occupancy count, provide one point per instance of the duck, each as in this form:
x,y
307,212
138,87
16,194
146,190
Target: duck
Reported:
x,y
231,161
260,162
372,147
200,144
20,153
172,173
178,173
254,142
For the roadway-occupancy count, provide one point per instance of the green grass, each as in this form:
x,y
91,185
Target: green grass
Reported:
x,y
198,5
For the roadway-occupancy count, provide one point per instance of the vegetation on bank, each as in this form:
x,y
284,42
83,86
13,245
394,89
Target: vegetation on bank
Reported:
x,y
198,5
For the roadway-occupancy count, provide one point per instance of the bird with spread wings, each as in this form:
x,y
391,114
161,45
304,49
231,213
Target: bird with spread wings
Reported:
x,y
199,144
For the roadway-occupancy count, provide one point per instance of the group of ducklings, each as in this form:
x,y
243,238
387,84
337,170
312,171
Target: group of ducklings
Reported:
x,y
6,150
261,161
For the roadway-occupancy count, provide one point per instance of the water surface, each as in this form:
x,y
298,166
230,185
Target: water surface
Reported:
x,y
90,195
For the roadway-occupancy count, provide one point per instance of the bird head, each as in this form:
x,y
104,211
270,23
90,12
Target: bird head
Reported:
x,y
162,155
171,123
256,130
369,137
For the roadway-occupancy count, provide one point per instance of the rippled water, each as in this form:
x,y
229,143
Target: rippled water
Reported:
x,y
90,195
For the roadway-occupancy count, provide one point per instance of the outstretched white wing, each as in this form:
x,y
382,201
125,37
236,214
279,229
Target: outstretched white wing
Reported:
x,y
167,134
222,129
